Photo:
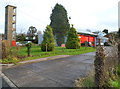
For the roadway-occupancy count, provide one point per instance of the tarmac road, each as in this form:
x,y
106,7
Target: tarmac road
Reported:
x,y
59,72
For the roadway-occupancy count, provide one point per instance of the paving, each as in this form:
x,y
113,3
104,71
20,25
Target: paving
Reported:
x,y
59,72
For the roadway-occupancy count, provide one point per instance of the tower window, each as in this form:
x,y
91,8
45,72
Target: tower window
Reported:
x,y
13,26
14,17
14,10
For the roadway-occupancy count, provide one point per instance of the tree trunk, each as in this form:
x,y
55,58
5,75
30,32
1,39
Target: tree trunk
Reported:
x,y
28,52
46,47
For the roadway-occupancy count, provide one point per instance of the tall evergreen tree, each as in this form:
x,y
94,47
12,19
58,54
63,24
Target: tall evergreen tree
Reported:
x,y
48,40
73,42
59,23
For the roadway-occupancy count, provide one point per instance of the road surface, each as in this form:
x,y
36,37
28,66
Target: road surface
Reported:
x,y
59,72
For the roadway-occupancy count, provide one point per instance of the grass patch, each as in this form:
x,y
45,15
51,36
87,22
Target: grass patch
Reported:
x,y
37,53
115,80
87,81
36,50
9,60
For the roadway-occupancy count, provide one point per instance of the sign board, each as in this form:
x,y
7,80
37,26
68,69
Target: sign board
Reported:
x,y
62,45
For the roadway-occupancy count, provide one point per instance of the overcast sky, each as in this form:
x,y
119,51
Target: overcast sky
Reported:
x,y
85,14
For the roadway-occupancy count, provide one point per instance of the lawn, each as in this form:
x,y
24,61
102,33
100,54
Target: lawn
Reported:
x,y
37,53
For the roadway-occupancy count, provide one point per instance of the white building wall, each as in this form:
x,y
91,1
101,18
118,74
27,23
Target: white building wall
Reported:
x,y
40,38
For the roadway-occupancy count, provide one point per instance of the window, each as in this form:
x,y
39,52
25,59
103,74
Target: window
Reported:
x,y
13,34
14,25
14,10
14,17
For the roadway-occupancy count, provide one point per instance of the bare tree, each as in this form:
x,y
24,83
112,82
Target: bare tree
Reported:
x,y
31,32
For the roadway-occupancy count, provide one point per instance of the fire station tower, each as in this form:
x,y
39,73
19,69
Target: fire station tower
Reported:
x,y
10,24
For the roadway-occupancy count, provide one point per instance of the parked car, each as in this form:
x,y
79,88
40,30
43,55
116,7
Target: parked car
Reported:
x,y
27,42
18,43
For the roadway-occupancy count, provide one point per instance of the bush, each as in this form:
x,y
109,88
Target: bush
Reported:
x,y
7,50
73,42
113,80
48,40
49,47
113,83
118,70
10,60
29,45
87,81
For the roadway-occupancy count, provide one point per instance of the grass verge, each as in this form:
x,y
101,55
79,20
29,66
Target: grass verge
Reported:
x,y
87,81
37,53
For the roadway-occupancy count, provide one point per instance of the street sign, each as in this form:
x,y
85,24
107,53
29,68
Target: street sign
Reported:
x,y
62,45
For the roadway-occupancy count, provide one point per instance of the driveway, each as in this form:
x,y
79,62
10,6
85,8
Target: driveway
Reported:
x,y
60,72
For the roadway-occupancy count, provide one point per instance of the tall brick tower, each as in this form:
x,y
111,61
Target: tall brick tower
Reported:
x,y
10,24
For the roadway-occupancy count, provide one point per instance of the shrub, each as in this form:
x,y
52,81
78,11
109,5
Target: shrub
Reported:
x,y
29,45
113,83
87,82
48,40
73,42
10,60
7,50
49,47
118,70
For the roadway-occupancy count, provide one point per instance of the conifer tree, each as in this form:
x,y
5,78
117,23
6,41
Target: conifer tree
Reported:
x,y
73,42
59,23
48,40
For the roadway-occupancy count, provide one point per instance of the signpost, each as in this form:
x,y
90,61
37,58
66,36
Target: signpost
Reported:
x,y
63,46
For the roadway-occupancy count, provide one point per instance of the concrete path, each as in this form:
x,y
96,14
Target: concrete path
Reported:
x,y
60,72
46,58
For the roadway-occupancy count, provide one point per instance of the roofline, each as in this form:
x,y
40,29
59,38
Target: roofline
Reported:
x,y
10,6
87,33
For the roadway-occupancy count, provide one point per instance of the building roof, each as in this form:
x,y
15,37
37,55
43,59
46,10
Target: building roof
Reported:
x,y
86,32
10,6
